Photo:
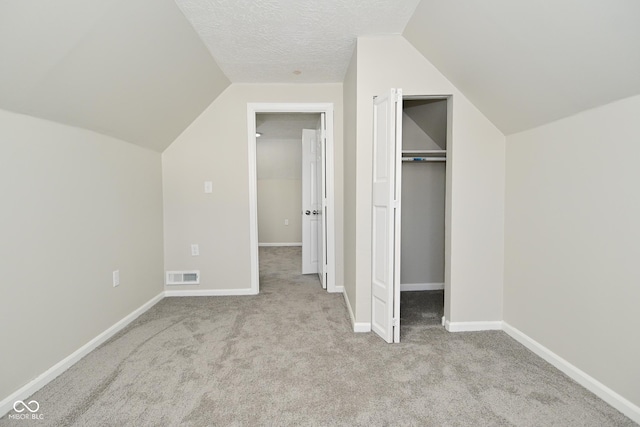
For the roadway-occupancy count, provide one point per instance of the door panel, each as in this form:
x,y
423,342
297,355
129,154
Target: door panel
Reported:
x,y
309,202
321,182
385,278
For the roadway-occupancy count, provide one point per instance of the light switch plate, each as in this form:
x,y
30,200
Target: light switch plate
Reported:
x,y
208,187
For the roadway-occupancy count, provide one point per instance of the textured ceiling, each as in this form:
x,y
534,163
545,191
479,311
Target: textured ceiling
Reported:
x,y
132,69
267,40
526,63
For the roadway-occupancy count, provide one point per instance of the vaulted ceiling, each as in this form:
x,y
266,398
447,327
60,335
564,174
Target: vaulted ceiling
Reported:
x,y
143,70
526,63
132,69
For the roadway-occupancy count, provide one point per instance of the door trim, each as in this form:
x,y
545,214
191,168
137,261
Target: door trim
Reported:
x,y
252,110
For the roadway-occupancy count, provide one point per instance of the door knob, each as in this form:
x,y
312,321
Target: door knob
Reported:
x,y
307,213
316,212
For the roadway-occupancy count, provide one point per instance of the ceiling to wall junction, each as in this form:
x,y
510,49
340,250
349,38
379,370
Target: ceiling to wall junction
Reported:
x,y
279,148
132,69
137,70
526,63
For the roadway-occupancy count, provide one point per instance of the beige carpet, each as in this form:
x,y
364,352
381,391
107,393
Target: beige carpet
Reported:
x,y
288,357
421,308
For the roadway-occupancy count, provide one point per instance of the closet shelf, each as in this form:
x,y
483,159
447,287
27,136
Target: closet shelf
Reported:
x,y
426,152
424,159
424,155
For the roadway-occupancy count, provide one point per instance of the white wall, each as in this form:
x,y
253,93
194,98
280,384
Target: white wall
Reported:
x,y
422,243
279,173
214,148
350,165
474,278
76,205
279,200
572,281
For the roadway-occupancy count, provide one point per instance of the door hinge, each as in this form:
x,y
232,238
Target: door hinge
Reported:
x,y
398,95
395,204
396,322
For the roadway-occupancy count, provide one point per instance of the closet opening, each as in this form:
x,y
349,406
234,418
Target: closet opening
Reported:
x,y
423,201
411,199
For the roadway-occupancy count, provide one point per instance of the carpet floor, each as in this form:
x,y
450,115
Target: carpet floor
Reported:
x,y
288,357
421,308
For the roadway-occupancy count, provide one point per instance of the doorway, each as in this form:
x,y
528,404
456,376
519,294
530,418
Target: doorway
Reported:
x,y
324,209
289,177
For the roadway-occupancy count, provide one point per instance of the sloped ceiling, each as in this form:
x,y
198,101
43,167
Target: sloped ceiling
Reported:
x,y
526,63
431,117
132,69
291,41
137,70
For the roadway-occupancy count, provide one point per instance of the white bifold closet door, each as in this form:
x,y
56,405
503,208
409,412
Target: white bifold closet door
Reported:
x,y
385,249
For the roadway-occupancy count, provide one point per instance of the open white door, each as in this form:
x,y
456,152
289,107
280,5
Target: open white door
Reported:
x,y
321,182
310,205
385,277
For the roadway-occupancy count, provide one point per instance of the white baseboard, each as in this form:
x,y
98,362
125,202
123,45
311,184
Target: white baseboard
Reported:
x,y
421,287
472,326
280,244
596,387
357,326
209,292
337,290
50,374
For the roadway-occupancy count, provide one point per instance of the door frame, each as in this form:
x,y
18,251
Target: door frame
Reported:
x,y
269,107
393,335
448,227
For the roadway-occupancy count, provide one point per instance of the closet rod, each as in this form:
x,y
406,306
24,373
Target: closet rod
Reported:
x,y
424,159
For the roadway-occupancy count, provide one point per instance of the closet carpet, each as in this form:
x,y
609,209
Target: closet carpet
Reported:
x,y
421,309
288,357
